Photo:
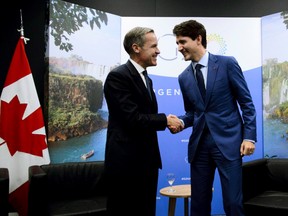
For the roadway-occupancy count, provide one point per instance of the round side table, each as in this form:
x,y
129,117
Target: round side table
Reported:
x,y
180,191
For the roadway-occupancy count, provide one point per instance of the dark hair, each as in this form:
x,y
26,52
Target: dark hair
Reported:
x,y
192,29
137,36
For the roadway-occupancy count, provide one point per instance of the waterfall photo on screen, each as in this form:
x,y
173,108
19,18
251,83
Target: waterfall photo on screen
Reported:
x,y
82,45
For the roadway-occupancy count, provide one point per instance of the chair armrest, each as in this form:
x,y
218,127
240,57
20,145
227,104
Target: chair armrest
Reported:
x,y
37,191
4,191
254,175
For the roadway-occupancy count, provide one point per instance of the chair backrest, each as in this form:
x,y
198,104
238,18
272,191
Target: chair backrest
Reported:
x,y
75,179
278,173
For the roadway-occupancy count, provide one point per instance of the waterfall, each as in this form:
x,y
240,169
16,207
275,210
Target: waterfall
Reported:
x,y
284,91
266,93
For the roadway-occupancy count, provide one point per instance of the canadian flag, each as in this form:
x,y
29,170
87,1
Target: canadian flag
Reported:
x,y
23,141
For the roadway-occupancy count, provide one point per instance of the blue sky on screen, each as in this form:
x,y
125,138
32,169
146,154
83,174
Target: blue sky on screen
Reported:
x,y
274,38
97,45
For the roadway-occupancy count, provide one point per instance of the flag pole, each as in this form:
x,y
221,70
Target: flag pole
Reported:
x,y
21,30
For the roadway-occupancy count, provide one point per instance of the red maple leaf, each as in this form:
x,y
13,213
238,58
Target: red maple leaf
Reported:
x,y
18,132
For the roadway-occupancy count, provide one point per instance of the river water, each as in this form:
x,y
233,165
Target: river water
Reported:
x,y
71,150
275,138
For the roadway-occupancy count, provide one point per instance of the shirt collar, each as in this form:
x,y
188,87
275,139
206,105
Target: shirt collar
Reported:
x,y
138,67
203,61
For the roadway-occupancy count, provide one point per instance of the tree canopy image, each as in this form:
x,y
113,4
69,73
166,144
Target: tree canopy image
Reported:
x,y
67,18
284,15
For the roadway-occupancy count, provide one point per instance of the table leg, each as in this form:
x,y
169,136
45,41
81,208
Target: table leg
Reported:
x,y
186,207
171,208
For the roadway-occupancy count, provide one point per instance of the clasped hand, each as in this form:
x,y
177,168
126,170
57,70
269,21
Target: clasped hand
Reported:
x,y
174,124
247,148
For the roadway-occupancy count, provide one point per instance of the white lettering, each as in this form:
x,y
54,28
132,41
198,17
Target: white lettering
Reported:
x,y
168,92
185,178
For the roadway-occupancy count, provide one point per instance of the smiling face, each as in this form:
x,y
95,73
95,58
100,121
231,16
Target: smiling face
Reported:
x,y
191,49
147,54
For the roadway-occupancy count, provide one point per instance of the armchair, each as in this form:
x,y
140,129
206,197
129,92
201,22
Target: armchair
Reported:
x,y
265,187
4,191
74,188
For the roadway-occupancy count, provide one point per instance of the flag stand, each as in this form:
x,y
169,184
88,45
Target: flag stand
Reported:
x,y
21,30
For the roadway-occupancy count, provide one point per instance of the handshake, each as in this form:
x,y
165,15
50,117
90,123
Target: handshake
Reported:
x,y
174,124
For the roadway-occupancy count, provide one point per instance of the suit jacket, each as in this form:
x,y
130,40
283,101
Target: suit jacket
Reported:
x,y
132,141
226,92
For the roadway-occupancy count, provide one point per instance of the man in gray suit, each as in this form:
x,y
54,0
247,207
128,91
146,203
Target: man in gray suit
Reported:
x,y
132,157
221,133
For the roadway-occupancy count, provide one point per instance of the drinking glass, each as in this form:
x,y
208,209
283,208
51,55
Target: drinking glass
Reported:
x,y
171,179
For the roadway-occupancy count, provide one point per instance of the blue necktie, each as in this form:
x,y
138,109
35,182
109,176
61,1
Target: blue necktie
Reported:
x,y
200,80
147,83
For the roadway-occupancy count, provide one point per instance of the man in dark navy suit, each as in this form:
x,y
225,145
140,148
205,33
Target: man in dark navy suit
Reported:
x,y
132,157
221,133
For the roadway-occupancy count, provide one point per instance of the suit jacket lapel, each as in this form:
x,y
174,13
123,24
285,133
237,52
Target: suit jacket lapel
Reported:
x,y
211,76
139,82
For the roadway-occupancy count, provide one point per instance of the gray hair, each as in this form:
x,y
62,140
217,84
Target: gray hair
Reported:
x,y
137,36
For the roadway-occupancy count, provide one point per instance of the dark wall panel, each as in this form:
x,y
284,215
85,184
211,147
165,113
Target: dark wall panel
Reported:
x,y
188,8
219,8
121,8
33,14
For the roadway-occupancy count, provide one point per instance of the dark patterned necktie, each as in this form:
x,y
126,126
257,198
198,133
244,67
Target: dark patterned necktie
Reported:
x,y
147,83
200,80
